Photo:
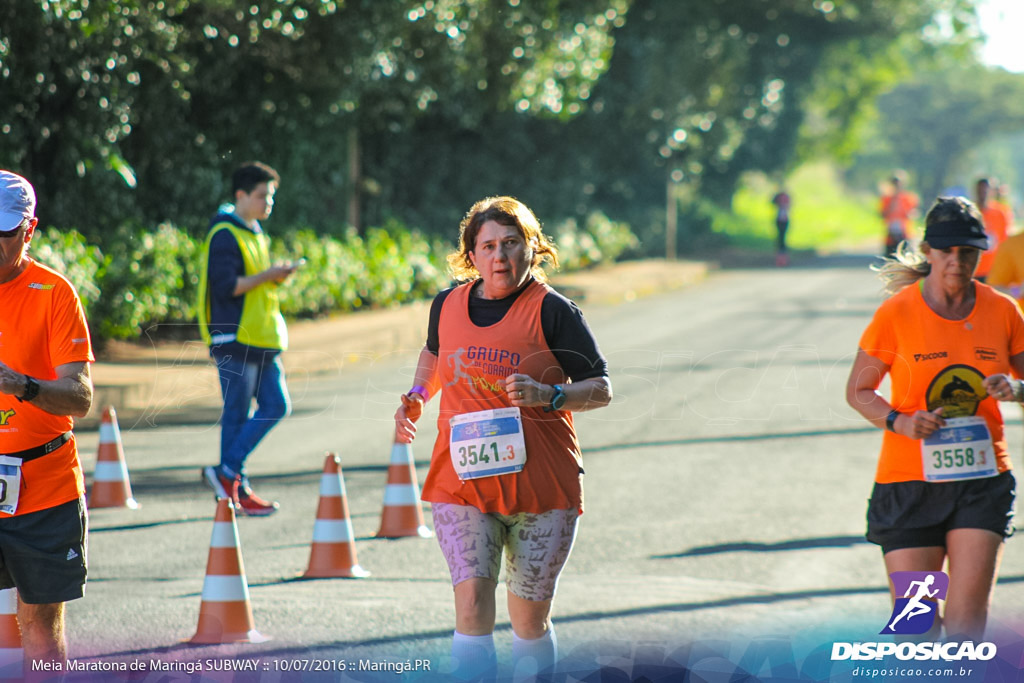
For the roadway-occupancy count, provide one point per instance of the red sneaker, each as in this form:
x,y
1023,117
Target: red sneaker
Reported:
x,y
221,484
253,505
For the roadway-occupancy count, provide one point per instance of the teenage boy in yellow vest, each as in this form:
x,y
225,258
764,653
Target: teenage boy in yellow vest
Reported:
x,y
240,320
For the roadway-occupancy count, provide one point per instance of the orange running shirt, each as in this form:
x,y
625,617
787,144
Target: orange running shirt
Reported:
x,y
896,208
997,221
1008,267
473,363
937,362
42,326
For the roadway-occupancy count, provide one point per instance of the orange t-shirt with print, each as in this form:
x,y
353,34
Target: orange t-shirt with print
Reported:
x,y
936,362
42,326
473,363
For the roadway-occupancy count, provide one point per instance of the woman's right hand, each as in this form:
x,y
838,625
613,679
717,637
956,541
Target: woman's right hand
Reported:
x,y
919,425
406,416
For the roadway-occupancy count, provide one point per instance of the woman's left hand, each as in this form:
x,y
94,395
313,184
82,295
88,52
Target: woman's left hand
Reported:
x,y
525,392
1002,387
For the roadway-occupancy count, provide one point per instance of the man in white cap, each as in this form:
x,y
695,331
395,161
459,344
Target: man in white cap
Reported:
x,y
44,381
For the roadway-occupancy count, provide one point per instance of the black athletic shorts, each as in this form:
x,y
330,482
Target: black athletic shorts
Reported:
x,y
917,514
43,553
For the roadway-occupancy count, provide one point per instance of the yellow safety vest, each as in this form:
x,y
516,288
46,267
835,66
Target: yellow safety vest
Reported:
x,y
261,324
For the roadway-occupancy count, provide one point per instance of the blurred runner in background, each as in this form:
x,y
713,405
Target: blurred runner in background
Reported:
x,y
897,207
997,218
781,201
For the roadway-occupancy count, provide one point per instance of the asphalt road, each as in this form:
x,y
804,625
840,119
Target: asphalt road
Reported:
x,y
725,495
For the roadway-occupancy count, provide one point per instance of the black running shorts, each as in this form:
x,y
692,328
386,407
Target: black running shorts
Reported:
x,y
43,553
918,514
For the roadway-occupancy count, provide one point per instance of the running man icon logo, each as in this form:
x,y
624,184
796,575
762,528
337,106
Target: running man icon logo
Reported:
x,y
914,612
458,362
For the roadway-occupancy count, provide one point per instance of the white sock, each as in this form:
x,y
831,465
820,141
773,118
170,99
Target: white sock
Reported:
x,y
474,657
531,657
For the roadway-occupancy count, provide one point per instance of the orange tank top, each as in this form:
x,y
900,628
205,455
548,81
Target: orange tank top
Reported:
x,y
473,363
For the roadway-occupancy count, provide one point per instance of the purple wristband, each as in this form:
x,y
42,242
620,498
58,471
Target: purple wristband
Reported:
x,y
422,391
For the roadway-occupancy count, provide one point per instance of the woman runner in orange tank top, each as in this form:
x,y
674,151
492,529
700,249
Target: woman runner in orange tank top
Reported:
x,y
505,472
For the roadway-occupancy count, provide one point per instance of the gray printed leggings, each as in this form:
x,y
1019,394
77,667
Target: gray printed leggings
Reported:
x,y
536,546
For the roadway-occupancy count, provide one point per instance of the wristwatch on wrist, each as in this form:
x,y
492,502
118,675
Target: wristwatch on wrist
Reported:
x,y
890,420
31,390
557,400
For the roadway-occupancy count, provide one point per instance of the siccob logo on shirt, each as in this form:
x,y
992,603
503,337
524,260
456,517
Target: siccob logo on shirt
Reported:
x,y
958,389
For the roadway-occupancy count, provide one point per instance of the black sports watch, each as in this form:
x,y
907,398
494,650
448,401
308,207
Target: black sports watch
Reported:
x,y
557,400
31,390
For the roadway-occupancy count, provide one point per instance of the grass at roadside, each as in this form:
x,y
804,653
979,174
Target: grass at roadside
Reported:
x,y
825,215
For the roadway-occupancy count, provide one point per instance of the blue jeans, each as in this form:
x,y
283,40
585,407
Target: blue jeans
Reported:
x,y
241,430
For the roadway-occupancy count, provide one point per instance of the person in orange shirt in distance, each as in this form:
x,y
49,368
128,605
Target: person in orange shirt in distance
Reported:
x,y
997,218
896,208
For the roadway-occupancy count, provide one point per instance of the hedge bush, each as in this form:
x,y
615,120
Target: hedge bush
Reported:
x,y
67,252
389,265
145,277
601,240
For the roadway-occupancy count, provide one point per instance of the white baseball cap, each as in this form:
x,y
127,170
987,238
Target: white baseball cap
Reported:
x,y
17,200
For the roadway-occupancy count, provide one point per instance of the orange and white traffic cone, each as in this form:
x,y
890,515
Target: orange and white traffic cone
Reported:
x,y
12,656
402,515
110,485
333,553
225,615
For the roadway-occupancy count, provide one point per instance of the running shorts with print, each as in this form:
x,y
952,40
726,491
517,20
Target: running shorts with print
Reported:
x,y
536,546
43,553
918,514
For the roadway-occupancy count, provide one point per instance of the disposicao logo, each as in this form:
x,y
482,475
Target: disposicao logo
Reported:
x,y
914,612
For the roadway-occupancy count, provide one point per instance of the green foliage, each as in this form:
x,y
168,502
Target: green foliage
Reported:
x,y
67,252
390,265
149,277
825,214
167,96
932,124
412,110
600,241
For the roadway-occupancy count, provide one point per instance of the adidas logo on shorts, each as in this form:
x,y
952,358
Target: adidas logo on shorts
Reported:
x,y
72,554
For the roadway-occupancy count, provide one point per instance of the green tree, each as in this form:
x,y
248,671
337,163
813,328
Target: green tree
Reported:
x,y
69,70
701,92
167,96
934,122
136,110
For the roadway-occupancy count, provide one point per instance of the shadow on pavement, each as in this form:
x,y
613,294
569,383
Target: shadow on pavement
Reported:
x,y
147,525
812,433
751,547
